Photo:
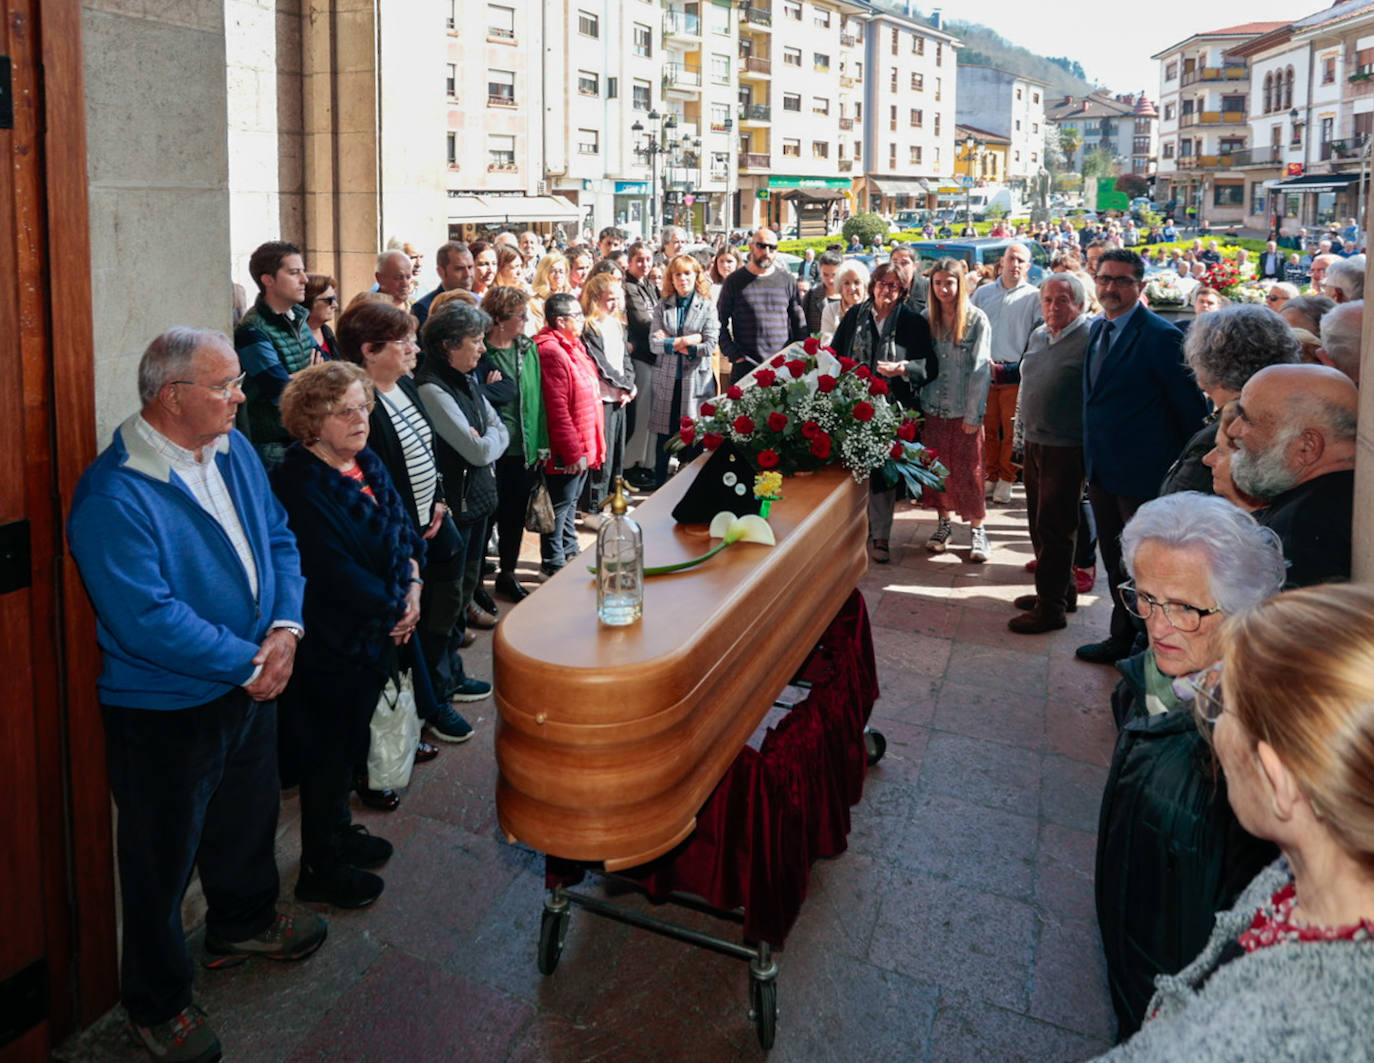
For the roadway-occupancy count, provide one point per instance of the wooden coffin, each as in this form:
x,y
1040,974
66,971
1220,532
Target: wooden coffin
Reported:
x,y
610,739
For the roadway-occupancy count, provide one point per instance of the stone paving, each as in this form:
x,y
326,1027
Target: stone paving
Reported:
x,y
959,926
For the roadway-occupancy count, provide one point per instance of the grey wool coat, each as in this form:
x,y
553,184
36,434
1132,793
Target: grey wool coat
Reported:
x,y
697,382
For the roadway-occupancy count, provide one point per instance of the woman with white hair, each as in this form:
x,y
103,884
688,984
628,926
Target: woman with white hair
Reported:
x,y
1170,852
851,281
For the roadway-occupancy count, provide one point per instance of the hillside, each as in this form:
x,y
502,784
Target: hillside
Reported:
x,y
984,45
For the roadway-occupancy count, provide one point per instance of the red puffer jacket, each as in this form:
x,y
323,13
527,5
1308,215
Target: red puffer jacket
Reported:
x,y
572,399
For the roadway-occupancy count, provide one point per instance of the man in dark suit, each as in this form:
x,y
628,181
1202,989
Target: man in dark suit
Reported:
x,y
1271,262
1140,407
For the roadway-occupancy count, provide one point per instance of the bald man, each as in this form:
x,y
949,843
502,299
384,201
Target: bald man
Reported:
x,y
760,308
394,271
1294,437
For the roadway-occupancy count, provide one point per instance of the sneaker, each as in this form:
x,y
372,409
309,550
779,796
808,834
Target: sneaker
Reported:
x,y
447,723
289,938
939,539
361,849
979,547
1001,494
989,488
184,1038
470,690
342,887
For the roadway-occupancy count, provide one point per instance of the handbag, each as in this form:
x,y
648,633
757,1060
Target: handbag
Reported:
x,y
395,731
539,510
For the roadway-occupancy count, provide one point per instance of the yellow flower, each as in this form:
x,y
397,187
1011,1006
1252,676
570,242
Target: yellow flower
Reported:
x,y
768,485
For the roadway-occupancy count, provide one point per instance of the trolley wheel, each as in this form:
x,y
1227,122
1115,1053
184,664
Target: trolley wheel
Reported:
x,y
763,1009
875,745
553,928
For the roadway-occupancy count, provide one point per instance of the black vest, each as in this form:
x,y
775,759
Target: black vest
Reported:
x,y
470,490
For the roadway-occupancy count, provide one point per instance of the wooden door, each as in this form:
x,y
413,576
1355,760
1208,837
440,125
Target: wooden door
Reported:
x,y
57,950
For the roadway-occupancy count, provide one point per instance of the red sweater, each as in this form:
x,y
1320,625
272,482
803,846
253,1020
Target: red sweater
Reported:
x,y
572,401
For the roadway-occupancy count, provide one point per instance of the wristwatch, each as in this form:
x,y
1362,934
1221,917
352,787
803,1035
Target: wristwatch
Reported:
x,y
294,629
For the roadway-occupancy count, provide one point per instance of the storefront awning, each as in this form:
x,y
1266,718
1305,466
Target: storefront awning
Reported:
x,y
1314,182
898,186
814,195
498,210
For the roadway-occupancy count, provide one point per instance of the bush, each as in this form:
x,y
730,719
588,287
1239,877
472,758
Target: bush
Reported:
x,y
869,228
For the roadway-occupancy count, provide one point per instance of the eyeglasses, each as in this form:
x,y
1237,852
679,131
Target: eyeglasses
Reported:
x,y
765,247
332,300
347,413
222,390
1181,615
888,284
1206,690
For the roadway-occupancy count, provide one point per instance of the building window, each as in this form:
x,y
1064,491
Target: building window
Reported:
x,y
1035,97
588,84
501,22
937,157
718,19
820,60
791,101
452,143
918,117
1018,125
791,148
644,40
1257,197
1168,112
892,156
1228,195
892,118
916,155
500,88
588,25
791,56
918,82
641,96
939,53
821,17
720,114
451,80
820,149
1185,149
918,44
820,105
1018,94
792,10
858,150
858,71
588,142
858,112
500,152
937,124
892,81
1328,70
1035,127
939,85
720,69
894,40
1035,157
1171,71
1017,156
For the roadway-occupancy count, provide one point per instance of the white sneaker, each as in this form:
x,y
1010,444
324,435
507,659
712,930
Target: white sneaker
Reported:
x,y
980,547
940,537
1002,492
989,489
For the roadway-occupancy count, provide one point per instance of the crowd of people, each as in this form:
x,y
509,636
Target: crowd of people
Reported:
x,y
258,591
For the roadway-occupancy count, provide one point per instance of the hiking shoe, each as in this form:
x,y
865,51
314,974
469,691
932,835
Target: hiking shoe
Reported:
x,y
359,848
289,938
468,690
343,886
184,1038
939,539
979,548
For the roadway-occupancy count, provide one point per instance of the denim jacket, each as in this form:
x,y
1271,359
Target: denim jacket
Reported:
x,y
960,389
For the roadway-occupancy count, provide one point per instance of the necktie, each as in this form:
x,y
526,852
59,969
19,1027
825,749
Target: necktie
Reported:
x,y
1104,345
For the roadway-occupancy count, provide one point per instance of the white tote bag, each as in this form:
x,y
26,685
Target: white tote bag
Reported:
x,y
395,736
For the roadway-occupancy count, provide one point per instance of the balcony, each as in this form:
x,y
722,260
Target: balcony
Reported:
x,y
846,123
681,76
1212,118
848,40
1267,156
681,24
753,160
755,66
1232,71
500,101
755,112
846,165
1350,148
756,17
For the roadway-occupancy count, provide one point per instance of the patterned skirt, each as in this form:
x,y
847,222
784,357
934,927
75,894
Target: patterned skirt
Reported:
x,y
962,454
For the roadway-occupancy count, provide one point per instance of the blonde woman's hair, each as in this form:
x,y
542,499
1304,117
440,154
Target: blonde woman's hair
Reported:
x,y
952,330
596,286
1298,673
541,273
681,262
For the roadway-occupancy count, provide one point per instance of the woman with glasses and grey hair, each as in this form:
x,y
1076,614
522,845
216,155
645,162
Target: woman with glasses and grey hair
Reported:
x,y
1170,853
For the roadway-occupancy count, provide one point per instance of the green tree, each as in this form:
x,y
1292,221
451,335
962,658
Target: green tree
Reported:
x,y
1099,162
869,228
1133,185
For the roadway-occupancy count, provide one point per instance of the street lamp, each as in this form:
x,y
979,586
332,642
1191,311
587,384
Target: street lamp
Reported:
x,y
973,151
650,147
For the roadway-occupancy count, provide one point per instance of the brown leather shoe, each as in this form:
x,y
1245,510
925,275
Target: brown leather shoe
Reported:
x,y
425,752
479,617
1030,603
381,800
469,637
1032,623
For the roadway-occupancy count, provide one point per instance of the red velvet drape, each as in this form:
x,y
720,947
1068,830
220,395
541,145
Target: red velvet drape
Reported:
x,y
780,807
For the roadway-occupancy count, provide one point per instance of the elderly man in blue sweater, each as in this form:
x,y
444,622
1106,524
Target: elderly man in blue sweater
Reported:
x,y
197,589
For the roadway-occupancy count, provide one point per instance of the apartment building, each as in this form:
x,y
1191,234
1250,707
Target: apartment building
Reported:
x,y
1126,125
1010,105
1205,108
909,85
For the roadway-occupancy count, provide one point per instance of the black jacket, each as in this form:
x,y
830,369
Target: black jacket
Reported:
x,y
640,300
1313,521
1187,473
911,337
1170,852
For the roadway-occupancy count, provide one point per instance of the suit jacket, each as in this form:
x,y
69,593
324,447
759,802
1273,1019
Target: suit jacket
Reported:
x,y
1142,410
1271,266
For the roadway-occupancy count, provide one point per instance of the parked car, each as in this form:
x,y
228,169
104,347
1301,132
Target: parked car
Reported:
x,y
982,251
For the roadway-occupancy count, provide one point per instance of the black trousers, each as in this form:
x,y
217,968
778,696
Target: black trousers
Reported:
x,y
513,485
1112,513
1054,491
601,481
195,788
